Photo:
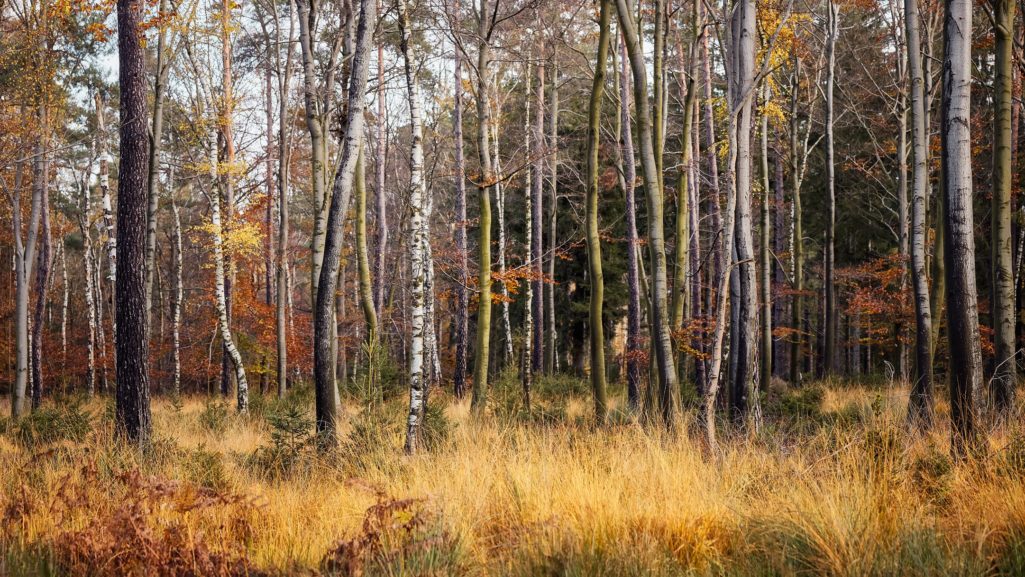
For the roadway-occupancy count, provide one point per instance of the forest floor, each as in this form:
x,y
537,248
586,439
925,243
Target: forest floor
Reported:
x,y
831,484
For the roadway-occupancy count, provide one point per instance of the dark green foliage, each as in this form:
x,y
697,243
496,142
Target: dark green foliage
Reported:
x,y
53,423
292,447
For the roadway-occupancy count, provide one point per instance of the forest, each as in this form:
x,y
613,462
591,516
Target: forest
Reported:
x,y
512,287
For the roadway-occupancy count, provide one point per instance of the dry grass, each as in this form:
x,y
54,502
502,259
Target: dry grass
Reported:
x,y
839,489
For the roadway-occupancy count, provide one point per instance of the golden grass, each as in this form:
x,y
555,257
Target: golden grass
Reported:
x,y
850,497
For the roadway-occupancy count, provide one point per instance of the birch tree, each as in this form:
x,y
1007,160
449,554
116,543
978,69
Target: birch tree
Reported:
x,y
419,226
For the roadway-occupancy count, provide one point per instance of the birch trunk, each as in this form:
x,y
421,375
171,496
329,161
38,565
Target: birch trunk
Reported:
x,y
500,203
152,176
90,303
797,240
220,281
178,300
379,191
419,224
920,406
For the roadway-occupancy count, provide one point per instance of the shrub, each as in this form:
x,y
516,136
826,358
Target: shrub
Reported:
x,y
53,423
292,443
397,538
214,417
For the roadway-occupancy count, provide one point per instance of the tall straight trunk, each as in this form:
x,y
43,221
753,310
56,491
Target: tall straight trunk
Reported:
x,y
132,408
1004,371
920,406
462,293
380,135
658,89
551,332
662,342
536,217
779,246
178,300
681,294
484,186
629,171
526,362
765,354
419,226
108,210
152,176
324,327
797,240
741,87
268,215
24,263
713,158
962,305
220,285
90,287
507,336
282,292
41,187
830,328
597,297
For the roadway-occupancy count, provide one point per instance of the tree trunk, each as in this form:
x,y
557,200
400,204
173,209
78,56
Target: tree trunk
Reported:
x,y
962,305
419,228
484,186
152,176
765,376
1004,371
132,346
797,237
323,321
920,406
551,332
366,288
41,187
536,217
656,238
633,310
220,282
595,319
744,398
830,328
500,202
379,191
462,293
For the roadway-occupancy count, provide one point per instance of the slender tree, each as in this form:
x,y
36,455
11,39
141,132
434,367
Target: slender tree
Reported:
x,y
1004,370
595,320
920,407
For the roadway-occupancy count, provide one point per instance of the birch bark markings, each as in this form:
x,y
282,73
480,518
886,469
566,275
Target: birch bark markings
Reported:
x,y
536,216
830,356
419,223
920,406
